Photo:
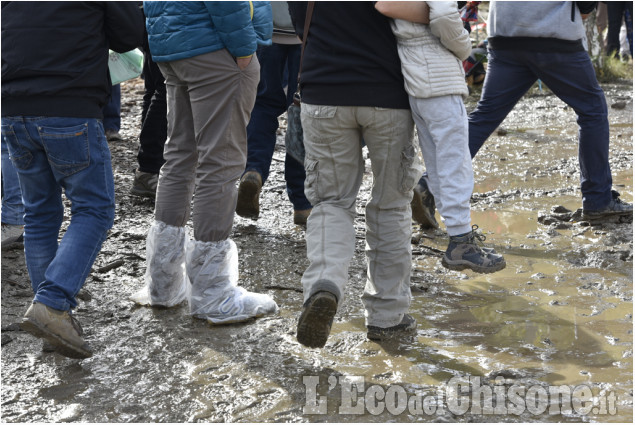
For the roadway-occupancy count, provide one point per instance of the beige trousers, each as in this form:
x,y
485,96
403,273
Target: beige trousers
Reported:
x,y
209,104
335,167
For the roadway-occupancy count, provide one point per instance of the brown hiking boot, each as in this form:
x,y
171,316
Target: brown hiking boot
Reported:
x,y
59,328
248,204
301,216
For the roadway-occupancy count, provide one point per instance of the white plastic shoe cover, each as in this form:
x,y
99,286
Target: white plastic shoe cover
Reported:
x,y
165,276
212,268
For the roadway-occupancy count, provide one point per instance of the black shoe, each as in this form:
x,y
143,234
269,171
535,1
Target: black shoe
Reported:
x,y
248,204
407,324
465,253
615,207
423,206
314,325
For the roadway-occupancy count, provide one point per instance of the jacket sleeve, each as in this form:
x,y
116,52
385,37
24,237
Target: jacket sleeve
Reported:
x,y
124,24
445,23
232,21
263,22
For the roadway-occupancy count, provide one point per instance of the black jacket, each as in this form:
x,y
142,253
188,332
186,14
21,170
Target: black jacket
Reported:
x,y
55,55
351,56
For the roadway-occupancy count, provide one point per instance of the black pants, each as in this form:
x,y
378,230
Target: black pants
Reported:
x,y
615,12
154,122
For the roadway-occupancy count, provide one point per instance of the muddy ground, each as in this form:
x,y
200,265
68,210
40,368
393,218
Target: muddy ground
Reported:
x,y
559,314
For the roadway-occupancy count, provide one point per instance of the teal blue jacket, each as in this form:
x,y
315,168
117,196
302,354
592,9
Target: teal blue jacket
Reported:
x,y
184,29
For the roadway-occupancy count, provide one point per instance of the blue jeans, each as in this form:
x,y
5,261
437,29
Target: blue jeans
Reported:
x,y
271,102
49,154
12,206
572,78
112,110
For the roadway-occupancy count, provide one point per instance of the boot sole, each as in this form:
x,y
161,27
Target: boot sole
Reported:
x,y
314,325
608,215
459,265
248,205
60,345
143,192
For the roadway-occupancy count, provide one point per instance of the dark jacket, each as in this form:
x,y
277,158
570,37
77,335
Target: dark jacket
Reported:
x,y
55,55
351,56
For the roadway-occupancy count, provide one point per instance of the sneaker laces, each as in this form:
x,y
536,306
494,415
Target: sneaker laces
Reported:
x,y
478,236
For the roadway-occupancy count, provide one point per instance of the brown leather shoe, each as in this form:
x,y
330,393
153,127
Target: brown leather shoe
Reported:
x,y
300,216
59,328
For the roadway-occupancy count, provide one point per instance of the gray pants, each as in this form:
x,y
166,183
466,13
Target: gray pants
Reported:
x,y
443,136
209,103
334,170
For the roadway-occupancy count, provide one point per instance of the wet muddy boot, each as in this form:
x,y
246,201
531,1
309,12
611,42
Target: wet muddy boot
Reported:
x,y
423,206
248,204
59,328
316,319
464,252
616,207
301,216
407,325
212,269
165,279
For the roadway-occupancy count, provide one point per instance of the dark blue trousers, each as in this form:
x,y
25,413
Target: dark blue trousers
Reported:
x,y
276,62
572,78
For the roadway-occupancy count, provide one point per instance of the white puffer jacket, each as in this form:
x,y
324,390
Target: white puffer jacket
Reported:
x,y
431,55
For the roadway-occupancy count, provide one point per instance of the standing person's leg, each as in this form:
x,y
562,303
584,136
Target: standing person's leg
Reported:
x,y
506,81
388,133
221,96
294,173
70,153
153,131
165,277
12,206
261,131
572,78
334,168
112,114
442,129
615,14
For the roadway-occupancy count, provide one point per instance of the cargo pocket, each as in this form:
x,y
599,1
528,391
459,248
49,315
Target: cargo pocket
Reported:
x,y
20,156
311,181
67,148
410,169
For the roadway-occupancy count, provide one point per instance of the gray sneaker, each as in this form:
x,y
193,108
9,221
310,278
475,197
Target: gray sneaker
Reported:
x,y
314,325
423,206
59,328
407,324
12,234
144,184
248,204
615,208
464,252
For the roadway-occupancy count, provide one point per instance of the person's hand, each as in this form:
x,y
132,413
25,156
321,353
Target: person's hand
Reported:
x,y
243,62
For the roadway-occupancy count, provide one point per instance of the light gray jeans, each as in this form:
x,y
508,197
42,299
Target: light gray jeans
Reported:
x,y
334,170
442,128
209,103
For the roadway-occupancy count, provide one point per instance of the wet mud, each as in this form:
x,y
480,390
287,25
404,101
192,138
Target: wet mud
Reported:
x,y
561,313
